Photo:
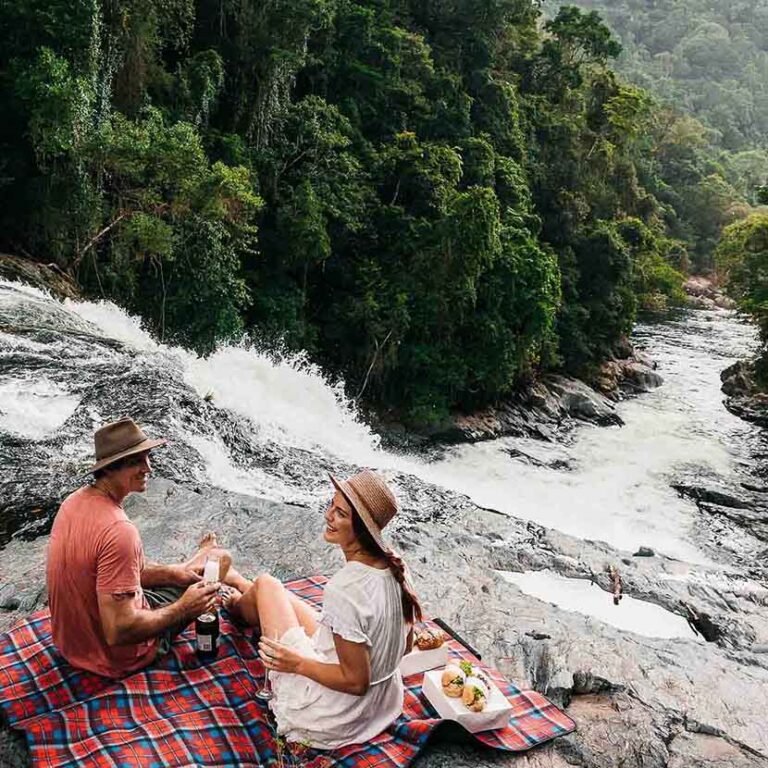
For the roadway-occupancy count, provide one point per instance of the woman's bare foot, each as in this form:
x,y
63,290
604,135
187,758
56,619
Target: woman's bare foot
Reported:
x,y
209,547
230,599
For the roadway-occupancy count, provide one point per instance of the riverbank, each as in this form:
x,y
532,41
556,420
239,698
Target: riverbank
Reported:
x,y
257,473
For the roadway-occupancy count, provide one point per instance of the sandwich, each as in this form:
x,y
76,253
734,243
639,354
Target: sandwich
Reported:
x,y
453,681
475,694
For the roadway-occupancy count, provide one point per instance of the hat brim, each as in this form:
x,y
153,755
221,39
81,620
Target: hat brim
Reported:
x,y
354,501
144,445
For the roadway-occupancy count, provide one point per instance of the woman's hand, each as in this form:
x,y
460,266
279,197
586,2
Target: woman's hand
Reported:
x,y
279,657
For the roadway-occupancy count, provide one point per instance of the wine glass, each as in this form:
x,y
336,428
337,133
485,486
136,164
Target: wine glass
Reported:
x,y
265,693
211,570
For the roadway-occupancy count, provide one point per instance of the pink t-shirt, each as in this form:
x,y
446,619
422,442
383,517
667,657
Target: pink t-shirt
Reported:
x,y
94,548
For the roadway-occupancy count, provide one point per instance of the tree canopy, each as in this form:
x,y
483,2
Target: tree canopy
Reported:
x,y
436,200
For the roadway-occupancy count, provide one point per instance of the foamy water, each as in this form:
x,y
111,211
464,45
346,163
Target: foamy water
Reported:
x,y
34,406
617,490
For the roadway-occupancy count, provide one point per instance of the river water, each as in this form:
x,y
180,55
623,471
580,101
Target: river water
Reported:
x,y
610,484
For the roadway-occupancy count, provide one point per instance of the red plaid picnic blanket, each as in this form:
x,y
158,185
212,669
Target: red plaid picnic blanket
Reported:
x,y
181,712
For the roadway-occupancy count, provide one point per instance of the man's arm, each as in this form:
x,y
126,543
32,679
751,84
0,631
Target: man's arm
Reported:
x,y
178,575
125,624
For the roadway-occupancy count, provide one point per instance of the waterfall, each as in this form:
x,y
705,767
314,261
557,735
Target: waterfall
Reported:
x,y
273,425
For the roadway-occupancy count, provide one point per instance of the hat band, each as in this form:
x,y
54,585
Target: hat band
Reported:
x,y
122,448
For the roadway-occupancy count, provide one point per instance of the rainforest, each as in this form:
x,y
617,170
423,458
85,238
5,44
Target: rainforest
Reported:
x,y
436,200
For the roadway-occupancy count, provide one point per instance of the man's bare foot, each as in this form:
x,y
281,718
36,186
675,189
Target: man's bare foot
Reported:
x,y
206,544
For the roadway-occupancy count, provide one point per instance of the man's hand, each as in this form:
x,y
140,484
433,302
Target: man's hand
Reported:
x,y
183,575
199,598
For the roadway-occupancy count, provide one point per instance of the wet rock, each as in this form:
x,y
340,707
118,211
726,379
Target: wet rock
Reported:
x,y
711,495
644,552
534,461
746,398
545,410
704,293
753,408
739,379
48,277
631,376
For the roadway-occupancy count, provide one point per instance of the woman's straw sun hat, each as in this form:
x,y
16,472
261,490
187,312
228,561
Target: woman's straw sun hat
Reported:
x,y
369,495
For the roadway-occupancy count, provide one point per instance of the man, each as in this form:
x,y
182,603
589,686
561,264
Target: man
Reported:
x,y
106,614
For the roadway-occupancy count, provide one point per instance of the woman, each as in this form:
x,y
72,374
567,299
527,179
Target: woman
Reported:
x,y
335,674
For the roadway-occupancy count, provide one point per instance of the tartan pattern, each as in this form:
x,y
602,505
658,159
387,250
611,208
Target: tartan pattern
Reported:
x,y
181,712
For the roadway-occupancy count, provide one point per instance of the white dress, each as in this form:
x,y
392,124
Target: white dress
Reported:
x,y
362,604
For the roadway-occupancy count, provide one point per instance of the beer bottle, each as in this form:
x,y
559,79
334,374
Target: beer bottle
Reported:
x,y
207,635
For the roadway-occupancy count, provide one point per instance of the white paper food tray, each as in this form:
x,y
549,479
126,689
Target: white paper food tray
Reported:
x,y
495,715
420,661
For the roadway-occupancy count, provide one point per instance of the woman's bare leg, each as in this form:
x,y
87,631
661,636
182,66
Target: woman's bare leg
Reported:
x,y
268,603
235,579
307,616
276,612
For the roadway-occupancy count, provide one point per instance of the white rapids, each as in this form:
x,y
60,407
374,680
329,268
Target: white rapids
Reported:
x,y
617,486
617,490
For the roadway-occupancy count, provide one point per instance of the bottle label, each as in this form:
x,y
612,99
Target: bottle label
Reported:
x,y
204,643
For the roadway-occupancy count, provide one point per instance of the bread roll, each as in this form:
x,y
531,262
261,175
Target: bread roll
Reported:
x,y
475,694
453,681
427,639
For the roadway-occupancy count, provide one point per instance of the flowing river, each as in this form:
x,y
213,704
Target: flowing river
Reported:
x,y
610,484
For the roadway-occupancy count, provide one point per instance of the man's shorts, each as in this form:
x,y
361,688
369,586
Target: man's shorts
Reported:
x,y
159,597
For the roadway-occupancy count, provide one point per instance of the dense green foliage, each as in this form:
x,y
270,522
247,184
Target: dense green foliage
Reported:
x,y
708,60
435,199
742,260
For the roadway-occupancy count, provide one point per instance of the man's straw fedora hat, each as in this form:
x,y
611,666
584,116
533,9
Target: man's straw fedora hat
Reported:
x,y
119,439
369,495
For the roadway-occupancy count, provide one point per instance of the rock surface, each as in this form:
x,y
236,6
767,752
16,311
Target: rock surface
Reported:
x,y
546,409
638,701
704,293
48,277
631,376
745,396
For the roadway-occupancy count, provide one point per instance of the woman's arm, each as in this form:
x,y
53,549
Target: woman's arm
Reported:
x,y
351,675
